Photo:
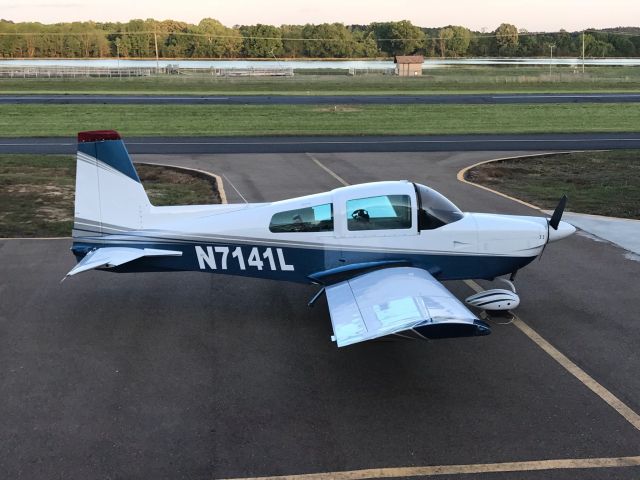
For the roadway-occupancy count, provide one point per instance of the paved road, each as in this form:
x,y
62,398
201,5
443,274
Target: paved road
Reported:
x,y
457,99
187,375
324,144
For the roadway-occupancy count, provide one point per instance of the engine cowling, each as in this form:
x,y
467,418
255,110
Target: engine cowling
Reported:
x,y
494,300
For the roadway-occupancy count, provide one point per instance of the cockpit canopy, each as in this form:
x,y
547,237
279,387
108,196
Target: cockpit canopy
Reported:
x,y
434,209
375,206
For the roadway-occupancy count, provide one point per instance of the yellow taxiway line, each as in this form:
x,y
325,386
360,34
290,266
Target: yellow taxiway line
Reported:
x,y
470,469
614,402
535,465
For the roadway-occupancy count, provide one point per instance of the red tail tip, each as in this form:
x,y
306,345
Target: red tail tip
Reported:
x,y
98,135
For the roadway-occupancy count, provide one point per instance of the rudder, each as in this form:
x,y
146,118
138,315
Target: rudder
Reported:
x,y
110,198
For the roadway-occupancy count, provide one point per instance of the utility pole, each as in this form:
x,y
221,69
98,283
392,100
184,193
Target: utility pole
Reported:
x,y
551,58
155,40
118,57
583,51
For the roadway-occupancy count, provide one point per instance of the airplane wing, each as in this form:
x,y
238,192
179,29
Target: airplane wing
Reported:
x,y
114,256
394,300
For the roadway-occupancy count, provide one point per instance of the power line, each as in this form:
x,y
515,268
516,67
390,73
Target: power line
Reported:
x,y
302,39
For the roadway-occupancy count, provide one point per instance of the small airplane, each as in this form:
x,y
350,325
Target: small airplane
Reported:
x,y
379,251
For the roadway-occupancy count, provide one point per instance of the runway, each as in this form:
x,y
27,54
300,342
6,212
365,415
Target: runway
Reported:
x,y
328,144
197,376
312,99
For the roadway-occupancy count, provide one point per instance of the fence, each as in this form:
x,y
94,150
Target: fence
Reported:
x,y
254,72
43,71
367,70
72,72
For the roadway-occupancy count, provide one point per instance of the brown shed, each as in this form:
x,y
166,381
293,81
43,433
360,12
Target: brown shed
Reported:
x,y
408,65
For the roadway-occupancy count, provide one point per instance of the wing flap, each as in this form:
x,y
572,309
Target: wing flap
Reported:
x,y
394,300
115,256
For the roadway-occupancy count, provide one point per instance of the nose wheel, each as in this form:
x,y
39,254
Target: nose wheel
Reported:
x,y
496,299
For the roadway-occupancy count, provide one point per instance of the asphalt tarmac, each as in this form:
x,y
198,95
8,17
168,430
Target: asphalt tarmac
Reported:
x,y
436,99
334,144
186,375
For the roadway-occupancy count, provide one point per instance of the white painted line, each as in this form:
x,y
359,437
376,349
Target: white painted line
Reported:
x,y
35,238
358,142
471,469
374,142
587,380
328,170
241,97
611,96
108,97
39,144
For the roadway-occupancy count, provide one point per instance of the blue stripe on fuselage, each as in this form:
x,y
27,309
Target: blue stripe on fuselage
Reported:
x,y
295,264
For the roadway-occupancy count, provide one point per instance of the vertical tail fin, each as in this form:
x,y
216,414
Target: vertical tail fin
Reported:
x,y
109,196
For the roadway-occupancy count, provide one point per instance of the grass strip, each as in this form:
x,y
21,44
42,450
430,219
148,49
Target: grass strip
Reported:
x,y
218,120
37,193
598,183
472,79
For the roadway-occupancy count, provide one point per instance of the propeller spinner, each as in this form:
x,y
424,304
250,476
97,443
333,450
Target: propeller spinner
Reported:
x,y
556,228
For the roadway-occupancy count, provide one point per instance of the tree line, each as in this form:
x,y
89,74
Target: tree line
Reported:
x,y
211,39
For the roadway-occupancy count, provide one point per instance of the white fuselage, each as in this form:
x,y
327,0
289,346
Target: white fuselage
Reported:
x,y
476,245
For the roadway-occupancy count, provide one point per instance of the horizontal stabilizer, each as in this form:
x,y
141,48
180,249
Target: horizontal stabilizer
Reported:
x,y
108,257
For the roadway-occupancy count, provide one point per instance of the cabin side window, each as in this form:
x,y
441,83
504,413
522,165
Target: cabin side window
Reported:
x,y
309,219
385,212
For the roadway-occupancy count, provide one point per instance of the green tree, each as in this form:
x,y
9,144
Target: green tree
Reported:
x,y
261,41
529,46
399,38
27,46
292,46
596,46
565,44
210,38
482,46
327,40
365,45
171,38
453,41
214,40
506,39
136,39
622,45
8,43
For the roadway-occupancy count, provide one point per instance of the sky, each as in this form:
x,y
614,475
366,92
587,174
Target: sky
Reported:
x,y
533,15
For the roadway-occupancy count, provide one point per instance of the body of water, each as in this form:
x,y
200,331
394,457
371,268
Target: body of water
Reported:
x,y
316,64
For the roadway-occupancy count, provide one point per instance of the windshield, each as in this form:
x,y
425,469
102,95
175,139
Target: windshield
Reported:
x,y
435,209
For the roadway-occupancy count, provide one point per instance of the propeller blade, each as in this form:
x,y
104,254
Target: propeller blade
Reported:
x,y
554,222
557,213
